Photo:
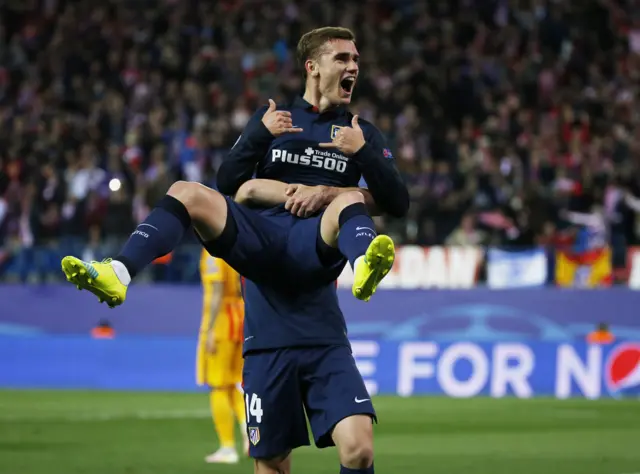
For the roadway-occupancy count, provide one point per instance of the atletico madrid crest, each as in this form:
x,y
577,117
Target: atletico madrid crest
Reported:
x,y
254,435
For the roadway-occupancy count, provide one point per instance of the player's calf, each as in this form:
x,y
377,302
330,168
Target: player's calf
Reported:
x,y
347,225
223,419
353,437
344,208
185,204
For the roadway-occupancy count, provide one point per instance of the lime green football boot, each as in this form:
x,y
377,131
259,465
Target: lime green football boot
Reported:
x,y
97,277
372,267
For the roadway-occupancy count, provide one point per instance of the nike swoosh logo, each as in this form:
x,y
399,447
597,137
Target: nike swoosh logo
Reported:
x,y
247,338
365,228
361,400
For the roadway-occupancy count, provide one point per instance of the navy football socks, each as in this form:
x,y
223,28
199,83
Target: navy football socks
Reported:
x,y
366,470
357,230
158,235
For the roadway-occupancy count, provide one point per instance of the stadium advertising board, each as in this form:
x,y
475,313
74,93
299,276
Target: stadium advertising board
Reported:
x,y
516,342
418,267
459,369
467,369
484,315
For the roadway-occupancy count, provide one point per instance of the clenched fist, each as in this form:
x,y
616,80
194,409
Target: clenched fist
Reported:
x,y
348,140
278,122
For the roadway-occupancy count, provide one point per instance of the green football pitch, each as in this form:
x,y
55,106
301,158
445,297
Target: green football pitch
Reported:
x,y
60,432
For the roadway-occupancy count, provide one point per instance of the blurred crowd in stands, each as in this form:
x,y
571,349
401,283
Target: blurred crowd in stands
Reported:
x,y
515,123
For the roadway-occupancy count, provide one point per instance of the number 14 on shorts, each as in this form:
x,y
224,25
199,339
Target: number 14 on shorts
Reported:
x,y
253,405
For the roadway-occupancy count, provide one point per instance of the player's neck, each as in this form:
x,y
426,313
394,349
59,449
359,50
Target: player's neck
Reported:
x,y
315,98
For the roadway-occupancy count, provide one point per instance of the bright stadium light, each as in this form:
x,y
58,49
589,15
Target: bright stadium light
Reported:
x,y
115,184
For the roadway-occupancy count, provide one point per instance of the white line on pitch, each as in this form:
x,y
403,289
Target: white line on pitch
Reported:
x,y
139,415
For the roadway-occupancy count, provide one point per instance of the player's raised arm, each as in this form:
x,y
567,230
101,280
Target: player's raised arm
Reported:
x,y
239,165
299,199
262,192
383,179
369,150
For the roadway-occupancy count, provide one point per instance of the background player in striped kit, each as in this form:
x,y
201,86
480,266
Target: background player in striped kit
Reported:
x,y
219,358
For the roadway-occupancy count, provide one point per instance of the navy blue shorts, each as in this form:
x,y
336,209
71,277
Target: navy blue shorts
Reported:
x,y
280,385
279,245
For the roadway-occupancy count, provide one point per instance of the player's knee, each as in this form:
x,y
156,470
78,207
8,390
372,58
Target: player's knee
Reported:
x,y
357,454
347,199
331,218
354,438
196,198
275,465
187,192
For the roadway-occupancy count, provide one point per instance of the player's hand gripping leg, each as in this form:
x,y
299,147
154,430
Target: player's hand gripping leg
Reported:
x,y
277,465
347,225
354,439
184,205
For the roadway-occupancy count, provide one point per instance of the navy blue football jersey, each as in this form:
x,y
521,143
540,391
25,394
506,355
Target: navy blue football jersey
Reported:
x,y
292,301
297,158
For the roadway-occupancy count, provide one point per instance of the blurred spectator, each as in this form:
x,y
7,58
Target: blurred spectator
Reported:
x,y
601,335
520,114
466,234
103,330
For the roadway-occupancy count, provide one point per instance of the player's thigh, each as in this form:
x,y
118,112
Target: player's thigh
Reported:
x,y
206,207
276,421
221,365
309,259
334,391
252,244
202,362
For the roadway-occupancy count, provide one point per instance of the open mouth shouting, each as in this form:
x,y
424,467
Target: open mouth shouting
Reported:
x,y
346,85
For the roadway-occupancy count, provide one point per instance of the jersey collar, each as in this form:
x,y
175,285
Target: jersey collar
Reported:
x,y
299,102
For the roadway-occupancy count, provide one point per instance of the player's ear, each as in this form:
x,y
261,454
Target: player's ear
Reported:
x,y
311,67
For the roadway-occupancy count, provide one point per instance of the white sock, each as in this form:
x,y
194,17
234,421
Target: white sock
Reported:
x,y
121,272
